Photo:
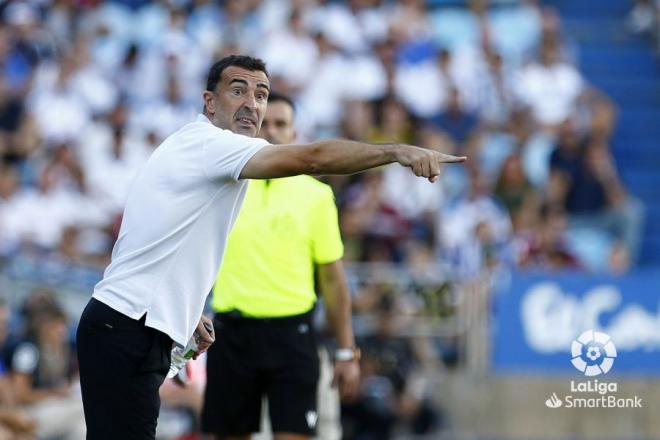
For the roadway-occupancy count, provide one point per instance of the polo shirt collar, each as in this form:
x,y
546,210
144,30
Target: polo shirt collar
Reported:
x,y
202,118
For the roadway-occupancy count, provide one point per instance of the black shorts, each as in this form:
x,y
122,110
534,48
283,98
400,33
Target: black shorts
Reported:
x,y
251,358
122,365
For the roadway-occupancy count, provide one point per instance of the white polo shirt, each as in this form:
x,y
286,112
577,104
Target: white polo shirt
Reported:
x,y
180,209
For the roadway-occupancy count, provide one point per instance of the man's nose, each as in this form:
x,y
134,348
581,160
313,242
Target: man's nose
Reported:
x,y
250,102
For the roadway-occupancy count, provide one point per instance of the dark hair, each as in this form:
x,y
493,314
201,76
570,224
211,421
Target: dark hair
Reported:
x,y
242,61
281,97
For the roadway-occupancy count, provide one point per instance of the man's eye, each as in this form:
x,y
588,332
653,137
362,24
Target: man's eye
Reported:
x,y
237,92
261,97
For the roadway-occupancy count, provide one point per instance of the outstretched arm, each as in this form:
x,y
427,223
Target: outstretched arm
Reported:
x,y
339,156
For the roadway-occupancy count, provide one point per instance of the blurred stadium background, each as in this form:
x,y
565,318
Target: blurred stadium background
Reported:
x,y
467,293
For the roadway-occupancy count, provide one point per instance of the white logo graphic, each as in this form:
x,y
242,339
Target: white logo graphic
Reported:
x,y
593,353
311,417
554,401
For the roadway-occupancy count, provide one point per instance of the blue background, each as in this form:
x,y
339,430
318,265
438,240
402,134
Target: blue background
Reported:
x,y
512,354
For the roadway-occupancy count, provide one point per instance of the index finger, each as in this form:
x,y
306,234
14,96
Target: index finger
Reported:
x,y
448,158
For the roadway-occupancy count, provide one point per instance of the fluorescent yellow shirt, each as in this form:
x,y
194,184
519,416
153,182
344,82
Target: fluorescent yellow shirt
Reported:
x,y
284,228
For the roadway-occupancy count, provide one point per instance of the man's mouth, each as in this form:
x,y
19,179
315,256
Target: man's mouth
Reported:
x,y
246,121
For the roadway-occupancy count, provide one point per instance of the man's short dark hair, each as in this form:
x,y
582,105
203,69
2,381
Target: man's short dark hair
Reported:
x,y
245,62
281,97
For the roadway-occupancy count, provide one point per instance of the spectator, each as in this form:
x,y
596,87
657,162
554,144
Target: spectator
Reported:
x,y
54,88
165,114
415,201
89,82
582,184
321,101
545,247
458,123
43,373
409,21
202,24
393,123
584,181
474,230
550,87
295,72
513,189
424,87
373,229
496,95
239,25
111,155
39,215
28,45
126,76
14,423
358,120
353,26
181,403
391,388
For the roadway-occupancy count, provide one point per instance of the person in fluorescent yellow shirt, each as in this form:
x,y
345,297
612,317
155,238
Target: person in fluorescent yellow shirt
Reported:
x,y
263,299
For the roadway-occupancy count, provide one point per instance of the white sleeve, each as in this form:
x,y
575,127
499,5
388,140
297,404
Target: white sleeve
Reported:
x,y
226,153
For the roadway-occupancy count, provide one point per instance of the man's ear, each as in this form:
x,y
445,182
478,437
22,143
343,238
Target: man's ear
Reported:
x,y
209,103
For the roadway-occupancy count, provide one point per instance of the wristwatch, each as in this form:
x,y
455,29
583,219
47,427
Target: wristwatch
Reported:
x,y
347,354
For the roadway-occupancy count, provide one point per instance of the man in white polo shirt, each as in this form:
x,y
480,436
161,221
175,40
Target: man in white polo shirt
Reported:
x,y
178,214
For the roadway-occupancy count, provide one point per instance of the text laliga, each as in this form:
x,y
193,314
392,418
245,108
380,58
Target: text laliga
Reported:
x,y
594,386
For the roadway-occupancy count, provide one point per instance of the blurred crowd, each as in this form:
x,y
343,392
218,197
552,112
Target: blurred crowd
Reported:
x,y
88,89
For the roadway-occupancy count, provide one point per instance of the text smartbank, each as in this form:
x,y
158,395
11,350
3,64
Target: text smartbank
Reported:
x,y
597,394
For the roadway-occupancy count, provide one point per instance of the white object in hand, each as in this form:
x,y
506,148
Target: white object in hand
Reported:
x,y
181,355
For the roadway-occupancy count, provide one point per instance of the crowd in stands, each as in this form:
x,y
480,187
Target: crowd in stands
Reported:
x,y
88,89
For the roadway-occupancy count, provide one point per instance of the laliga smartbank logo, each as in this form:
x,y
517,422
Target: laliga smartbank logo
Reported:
x,y
593,353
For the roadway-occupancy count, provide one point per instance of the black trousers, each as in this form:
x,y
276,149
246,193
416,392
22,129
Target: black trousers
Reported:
x,y
122,365
276,357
